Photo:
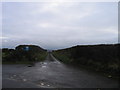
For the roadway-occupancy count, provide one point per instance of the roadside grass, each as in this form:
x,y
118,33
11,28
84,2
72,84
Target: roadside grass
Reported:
x,y
107,70
62,57
38,57
18,62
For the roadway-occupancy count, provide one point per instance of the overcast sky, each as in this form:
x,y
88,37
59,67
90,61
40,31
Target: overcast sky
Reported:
x,y
57,25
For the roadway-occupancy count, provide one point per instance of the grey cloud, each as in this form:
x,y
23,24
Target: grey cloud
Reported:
x,y
59,25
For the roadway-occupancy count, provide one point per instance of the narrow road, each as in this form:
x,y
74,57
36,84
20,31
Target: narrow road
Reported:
x,y
52,74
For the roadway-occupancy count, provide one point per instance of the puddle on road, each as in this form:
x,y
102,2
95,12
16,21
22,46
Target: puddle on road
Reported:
x,y
43,84
45,63
17,78
24,80
43,66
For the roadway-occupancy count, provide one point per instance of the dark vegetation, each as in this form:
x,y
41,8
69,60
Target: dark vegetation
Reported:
x,y
23,54
100,58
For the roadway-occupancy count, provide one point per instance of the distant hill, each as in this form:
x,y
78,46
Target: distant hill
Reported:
x,y
30,48
103,58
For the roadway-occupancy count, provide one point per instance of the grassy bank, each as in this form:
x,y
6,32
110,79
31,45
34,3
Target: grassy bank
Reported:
x,y
20,55
99,58
38,58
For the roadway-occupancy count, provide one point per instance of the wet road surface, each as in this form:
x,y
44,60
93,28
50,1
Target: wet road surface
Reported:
x,y
52,74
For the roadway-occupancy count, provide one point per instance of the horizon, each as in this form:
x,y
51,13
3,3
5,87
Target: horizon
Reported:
x,y
57,25
65,47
